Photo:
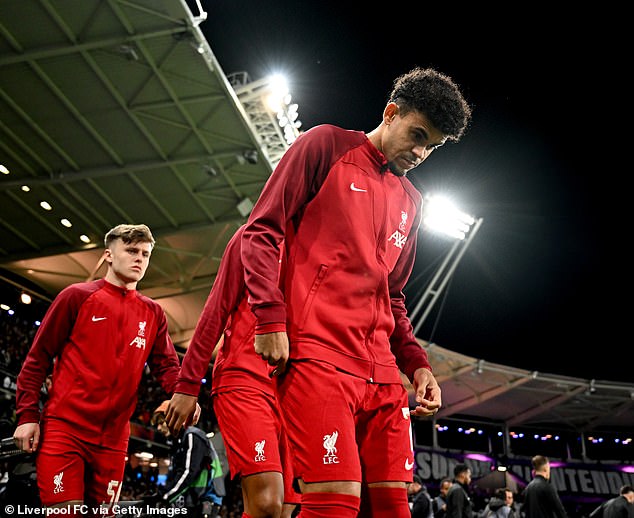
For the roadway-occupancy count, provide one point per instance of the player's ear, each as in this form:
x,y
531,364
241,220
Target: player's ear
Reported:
x,y
390,111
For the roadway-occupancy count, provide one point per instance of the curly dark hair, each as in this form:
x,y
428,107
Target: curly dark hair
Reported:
x,y
437,96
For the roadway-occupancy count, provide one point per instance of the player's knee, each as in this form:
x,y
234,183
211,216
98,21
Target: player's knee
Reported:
x,y
267,504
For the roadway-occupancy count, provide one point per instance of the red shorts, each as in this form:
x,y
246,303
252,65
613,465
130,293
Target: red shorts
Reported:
x,y
71,469
341,427
254,437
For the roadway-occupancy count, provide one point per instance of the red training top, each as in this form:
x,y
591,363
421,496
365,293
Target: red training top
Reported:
x,y
350,228
226,310
101,337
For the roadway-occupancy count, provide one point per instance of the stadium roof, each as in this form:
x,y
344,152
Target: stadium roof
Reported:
x,y
118,112
517,397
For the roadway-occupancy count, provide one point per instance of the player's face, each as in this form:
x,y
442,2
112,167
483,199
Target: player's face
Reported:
x,y
408,140
128,261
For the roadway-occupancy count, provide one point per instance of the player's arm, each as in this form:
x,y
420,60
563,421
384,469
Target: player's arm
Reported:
x,y
49,340
410,357
225,296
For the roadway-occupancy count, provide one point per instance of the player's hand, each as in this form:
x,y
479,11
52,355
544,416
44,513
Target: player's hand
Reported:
x,y
428,394
27,437
196,416
273,348
182,411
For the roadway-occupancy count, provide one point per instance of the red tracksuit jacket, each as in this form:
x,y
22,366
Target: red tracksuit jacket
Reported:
x,y
101,336
350,227
226,310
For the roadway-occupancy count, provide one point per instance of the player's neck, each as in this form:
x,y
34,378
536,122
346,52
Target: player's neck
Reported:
x,y
113,278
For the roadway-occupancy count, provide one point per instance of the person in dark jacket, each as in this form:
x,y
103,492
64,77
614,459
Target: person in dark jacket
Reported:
x,y
439,504
621,506
459,503
195,479
540,497
500,505
420,500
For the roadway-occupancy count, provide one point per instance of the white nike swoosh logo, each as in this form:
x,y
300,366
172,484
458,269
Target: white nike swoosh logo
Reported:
x,y
408,465
97,319
353,188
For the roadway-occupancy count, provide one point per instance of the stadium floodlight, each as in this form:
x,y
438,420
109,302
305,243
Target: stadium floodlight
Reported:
x,y
441,215
278,94
267,103
279,101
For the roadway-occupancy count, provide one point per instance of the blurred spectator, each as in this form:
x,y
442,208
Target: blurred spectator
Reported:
x,y
459,503
500,505
439,504
194,480
16,335
419,499
621,506
540,497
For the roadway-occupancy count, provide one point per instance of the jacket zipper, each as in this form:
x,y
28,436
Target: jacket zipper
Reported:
x,y
380,240
119,355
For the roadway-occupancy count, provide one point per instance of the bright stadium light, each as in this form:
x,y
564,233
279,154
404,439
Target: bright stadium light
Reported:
x,y
267,102
279,101
442,216
278,93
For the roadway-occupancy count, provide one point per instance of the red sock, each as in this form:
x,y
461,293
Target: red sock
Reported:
x,y
386,501
327,505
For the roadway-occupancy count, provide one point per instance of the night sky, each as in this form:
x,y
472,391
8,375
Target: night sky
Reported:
x,y
544,284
